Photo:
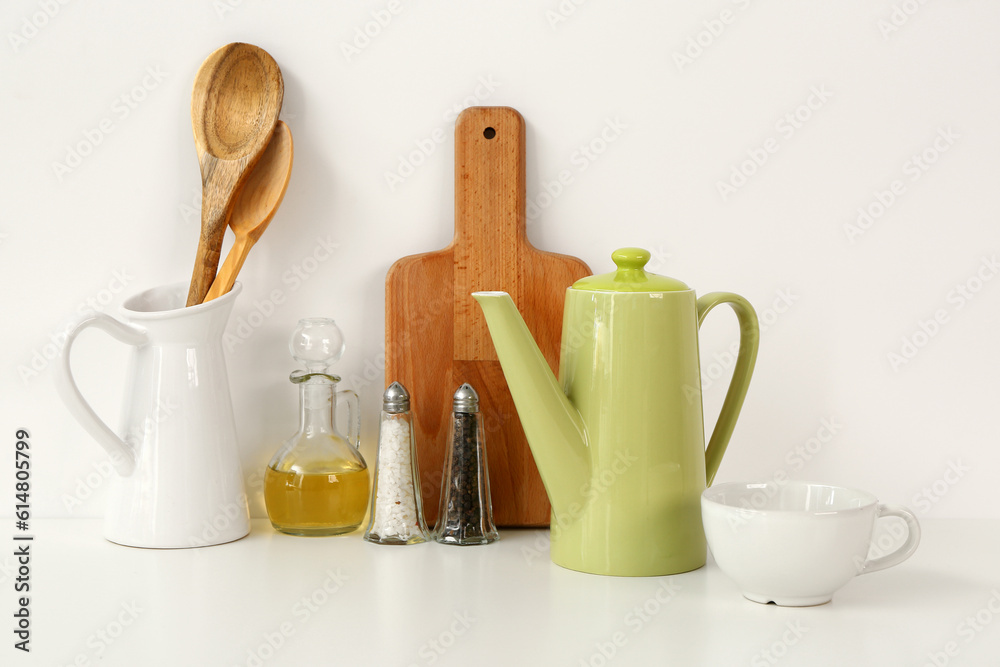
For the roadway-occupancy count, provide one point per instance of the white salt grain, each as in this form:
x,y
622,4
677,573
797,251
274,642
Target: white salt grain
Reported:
x,y
395,499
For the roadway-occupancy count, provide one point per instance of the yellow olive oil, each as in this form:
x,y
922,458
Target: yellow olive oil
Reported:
x,y
316,503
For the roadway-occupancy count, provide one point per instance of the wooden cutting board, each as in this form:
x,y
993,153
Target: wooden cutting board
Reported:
x,y
435,334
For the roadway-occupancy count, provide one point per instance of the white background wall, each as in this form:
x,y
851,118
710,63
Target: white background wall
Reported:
x,y
892,78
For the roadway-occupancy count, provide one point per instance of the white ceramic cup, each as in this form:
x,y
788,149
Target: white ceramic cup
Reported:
x,y
796,543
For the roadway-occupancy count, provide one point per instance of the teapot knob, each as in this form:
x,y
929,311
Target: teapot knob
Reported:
x,y
630,258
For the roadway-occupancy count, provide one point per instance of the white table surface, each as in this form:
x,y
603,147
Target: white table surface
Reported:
x,y
96,603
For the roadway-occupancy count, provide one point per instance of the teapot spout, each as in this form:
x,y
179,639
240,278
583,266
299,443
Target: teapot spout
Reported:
x,y
554,428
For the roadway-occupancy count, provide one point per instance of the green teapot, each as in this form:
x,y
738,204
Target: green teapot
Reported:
x,y
619,438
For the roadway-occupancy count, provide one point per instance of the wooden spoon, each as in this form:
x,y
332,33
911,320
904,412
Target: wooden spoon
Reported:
x,y
255,205
234,107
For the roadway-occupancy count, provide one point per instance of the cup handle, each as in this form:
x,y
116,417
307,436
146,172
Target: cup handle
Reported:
x,y
353,416
745,360
907,548
122,455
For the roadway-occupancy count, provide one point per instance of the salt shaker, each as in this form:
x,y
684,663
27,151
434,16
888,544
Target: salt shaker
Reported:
x,y
466,512
397,517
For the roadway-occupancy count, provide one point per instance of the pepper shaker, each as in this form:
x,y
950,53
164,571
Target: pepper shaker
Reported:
x,y
466,512
397,517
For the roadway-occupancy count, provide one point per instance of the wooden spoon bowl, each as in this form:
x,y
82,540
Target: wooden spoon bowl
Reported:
x,y
255,205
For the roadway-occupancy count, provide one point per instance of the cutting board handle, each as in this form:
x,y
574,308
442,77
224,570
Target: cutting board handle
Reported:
x,y
490,241
489,178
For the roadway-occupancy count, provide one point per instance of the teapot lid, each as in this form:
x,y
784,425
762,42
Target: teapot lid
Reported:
x,y
630,276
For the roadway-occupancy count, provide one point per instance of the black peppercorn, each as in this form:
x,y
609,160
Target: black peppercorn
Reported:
x,y
466,512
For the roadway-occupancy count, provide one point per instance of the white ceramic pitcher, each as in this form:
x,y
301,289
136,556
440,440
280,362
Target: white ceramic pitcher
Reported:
x,y
179,482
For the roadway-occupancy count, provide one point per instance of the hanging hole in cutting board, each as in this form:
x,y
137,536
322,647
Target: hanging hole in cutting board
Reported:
x,y
489,133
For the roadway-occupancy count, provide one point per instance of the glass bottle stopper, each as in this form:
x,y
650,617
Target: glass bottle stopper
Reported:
x,y
317,343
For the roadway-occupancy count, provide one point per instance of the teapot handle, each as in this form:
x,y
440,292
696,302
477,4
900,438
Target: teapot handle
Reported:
x,y
745,360
122,456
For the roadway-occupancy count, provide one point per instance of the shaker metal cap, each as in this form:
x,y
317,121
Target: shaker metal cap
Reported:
x,y
466,399
395,399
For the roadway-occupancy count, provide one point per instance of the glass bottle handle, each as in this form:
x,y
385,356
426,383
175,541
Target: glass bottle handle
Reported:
x,y
350,397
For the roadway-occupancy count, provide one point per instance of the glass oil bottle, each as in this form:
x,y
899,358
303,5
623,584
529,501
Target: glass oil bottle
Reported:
x,y
317,482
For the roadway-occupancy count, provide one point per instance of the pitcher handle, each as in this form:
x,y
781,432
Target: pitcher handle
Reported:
x,y
353,416
745,360
122,456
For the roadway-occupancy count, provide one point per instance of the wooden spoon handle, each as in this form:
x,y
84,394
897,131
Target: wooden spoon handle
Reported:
x,y
224,179
204,271
230,268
